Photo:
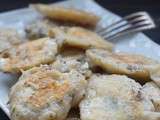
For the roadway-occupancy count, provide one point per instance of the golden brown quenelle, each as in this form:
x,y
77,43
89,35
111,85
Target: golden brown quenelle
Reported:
x,y
28,55
135,66
74,62
43,93
63,14
80,38
115,97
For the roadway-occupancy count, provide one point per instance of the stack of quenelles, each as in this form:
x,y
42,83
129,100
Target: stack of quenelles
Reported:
x,y
58,73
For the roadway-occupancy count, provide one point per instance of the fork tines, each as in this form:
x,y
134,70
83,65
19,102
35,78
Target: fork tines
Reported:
x,y
132,23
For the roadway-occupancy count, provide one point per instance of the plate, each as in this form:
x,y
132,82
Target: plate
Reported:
x,y
133,43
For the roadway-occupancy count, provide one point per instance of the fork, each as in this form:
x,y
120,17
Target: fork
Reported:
x,y
135,22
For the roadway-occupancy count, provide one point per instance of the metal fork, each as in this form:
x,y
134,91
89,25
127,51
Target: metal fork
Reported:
x,y
135,22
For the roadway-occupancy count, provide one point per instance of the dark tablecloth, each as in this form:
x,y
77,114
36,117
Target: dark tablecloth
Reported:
x,y
120,7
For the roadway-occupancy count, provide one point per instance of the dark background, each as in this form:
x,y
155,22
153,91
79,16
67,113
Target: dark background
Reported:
x,y
120,7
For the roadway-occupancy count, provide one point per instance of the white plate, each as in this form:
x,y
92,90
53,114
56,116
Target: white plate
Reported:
x,y
133,43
